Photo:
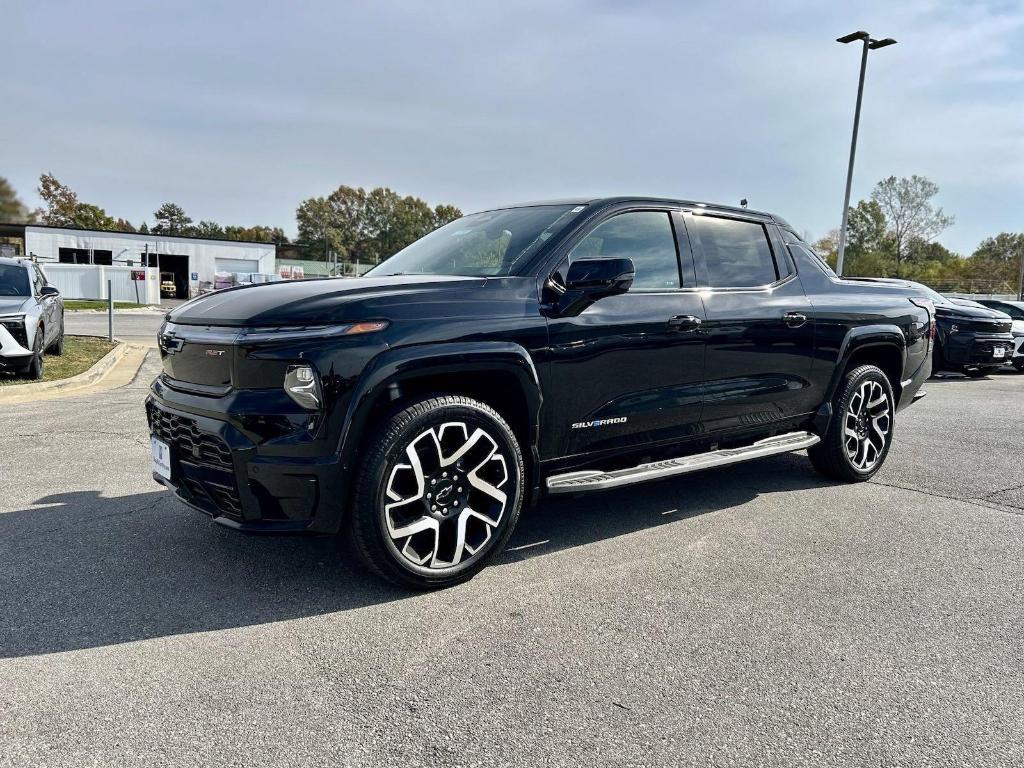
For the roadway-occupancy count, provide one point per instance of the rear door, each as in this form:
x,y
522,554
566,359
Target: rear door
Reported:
x,y
628,371
760,324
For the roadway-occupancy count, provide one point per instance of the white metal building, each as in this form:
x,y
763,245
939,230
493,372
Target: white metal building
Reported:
x,y
193,262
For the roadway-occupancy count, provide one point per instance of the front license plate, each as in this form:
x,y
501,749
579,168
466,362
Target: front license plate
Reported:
x,y
999,353
161,458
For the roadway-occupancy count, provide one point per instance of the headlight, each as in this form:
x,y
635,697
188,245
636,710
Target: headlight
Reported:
x,y
296,333
15,325
303,386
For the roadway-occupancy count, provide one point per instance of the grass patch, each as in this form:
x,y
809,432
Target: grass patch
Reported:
x,y
80,354
87,304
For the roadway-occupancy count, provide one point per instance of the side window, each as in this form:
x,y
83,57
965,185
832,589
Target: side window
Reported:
x,y
646,237
40,277
736,252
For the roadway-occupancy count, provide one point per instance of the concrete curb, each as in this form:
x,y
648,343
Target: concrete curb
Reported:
x,y
44,389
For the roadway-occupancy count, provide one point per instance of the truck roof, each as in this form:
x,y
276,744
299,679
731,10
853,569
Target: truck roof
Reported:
x,y
618,199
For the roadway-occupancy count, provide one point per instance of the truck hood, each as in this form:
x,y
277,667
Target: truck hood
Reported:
x,y
11,305
319,302
972,313
981,318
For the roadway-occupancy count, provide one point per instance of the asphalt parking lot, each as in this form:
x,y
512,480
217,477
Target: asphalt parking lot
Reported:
x,y
135,327
757,615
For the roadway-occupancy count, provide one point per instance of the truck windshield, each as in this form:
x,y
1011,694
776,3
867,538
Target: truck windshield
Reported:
x,y
14,280
485,244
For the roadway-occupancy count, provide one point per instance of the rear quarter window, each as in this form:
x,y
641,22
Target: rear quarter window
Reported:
x,y
737,253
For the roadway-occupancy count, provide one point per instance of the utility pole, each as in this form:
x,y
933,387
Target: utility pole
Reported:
x,y
871,44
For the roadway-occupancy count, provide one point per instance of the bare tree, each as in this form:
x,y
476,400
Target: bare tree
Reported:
x,y
909,212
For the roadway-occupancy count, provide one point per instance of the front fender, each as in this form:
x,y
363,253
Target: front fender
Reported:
x,y
394,366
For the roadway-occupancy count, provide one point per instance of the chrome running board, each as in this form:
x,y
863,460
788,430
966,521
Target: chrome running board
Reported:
x,y
596,480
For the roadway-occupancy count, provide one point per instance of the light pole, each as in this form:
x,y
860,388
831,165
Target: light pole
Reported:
x,y
871,44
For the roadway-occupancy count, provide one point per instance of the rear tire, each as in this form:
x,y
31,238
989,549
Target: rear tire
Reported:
x,y
438,494
57,347
861,428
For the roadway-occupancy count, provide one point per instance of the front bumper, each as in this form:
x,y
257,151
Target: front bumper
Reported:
x,y
14,351
968,349
218,469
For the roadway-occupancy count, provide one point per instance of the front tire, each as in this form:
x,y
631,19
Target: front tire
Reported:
x,y
439,493
938,359
34,370
861,428
977,373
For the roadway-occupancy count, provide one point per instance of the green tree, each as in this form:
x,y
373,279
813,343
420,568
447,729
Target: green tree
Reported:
x,y
64,209
256,234
171,219
208,229
909,212
12,210
828,247
445,213
868,247
357,225
999,258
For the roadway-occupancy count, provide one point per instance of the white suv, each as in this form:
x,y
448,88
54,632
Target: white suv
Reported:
x,y
31,318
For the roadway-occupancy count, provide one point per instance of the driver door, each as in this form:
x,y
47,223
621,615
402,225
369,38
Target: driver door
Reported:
x,y
628,371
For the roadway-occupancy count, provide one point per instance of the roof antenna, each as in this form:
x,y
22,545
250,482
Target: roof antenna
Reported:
x,y
743,203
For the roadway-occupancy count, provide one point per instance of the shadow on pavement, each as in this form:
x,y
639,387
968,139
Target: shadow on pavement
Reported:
x,y
87,571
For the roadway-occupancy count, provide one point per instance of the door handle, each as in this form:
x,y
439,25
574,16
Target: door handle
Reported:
x,y
684,323
794,319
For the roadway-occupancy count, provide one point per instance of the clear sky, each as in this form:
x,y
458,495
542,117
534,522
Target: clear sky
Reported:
x,y
239,110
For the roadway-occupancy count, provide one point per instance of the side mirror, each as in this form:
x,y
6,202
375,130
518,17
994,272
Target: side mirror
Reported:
x,y
48,290
589,280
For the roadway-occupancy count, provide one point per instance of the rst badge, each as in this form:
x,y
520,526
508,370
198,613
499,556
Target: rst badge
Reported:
x,y
214,352
599,423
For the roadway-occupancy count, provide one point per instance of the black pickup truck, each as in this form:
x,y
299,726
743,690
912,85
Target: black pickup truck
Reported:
x,y
543,349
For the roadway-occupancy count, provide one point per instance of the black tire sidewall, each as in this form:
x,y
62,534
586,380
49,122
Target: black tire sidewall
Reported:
x,y
367,519
57,348
830,456
36,366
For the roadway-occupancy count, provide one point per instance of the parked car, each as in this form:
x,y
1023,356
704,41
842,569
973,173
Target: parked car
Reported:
x,y
545,349
1015,309
31,318
970,338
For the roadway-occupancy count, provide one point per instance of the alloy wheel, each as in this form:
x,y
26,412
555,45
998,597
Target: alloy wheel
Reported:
x,y
443,500
867,425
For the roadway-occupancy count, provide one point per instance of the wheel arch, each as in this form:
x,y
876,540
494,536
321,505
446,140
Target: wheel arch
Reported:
x,y
500,374
883,346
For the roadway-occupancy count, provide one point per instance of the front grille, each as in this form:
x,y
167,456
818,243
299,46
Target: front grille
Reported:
x,y
214,491
184,436
984,325
17,330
